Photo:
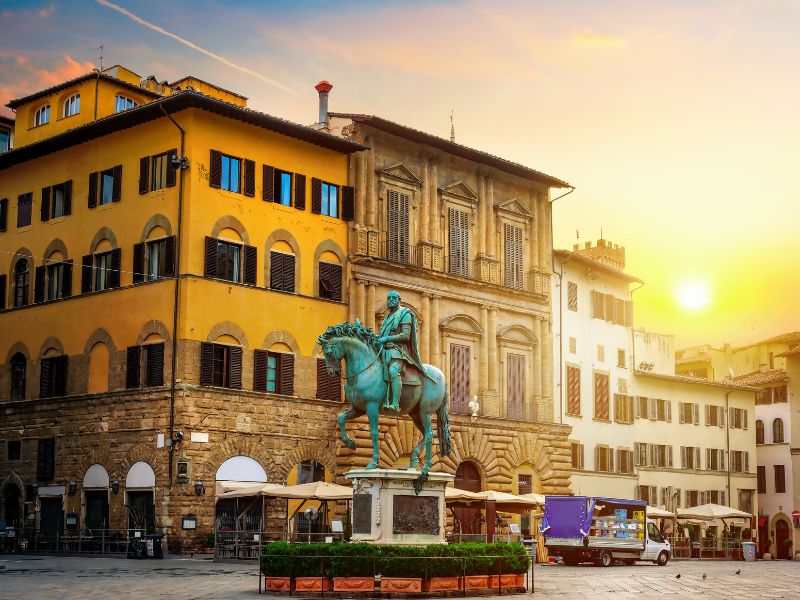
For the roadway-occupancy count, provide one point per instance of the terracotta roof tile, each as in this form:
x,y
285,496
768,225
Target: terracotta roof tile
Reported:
x,y
762,377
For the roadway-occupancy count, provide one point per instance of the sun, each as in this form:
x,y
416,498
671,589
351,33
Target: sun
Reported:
x,y
693,294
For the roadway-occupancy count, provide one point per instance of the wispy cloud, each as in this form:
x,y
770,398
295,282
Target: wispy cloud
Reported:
x,y
46,12
193,46
587,37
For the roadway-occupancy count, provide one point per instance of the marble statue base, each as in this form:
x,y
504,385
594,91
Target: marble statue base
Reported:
x,y
387,511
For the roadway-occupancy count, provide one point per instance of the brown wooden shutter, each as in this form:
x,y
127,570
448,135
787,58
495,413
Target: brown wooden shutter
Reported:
x,y
92,199
116,190
601,399
169,257
172,172
116,265
609,307
459,377
86,273
260,370
268,189
215,171
235,374
206,363
288,272
286,378
155,365
138,263
2,292
66,283
513,256
45,208
68,197
335,276
144,174
628,314
38,292
348,203
515,386
250,265
3,214
211,258
299,191
323,389
61,375
133,367
276,270
249,178
316,195
573,390
44,377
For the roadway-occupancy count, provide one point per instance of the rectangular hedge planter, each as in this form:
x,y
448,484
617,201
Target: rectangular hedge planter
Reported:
x,y
353,584
404,585
506,581
476,582
441,584
278,584
313,584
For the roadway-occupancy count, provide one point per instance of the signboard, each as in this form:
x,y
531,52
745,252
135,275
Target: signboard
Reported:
x,y
362,513
415,514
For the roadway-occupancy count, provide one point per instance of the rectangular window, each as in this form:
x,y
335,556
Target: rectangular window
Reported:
x,y
330,199
779,394
572,296
156,258
458,261
623,408
231,174
601,400
738,418
762,479
46,460
274,372
715,415
690,457
153,365
102,271
14,449
55,281
5,139
397,247
573,391
460,377
663,410
625,461
621,358
53,377
229,261
661,455
642,407
515,386
641,452
283,186
106,187
330,281
715,459
222,365
24,209
158,171
281,271
739,461
513,256
524,484
576,453
686,412
329,386
780,479
604,459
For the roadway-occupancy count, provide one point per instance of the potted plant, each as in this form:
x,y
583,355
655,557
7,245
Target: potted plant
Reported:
x,y
476,564
443,571
276,565
401,568
509,567
352,567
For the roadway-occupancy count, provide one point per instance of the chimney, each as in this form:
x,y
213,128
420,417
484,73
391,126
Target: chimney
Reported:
x,y
323,87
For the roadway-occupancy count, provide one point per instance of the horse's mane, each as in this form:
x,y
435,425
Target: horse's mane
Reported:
x,y
351,330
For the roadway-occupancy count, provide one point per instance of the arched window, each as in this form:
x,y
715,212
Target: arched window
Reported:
x,y
41,116
777,431
18,368
72,105
330,277
98,368
124,103
759,431
229,259
22,282
281,267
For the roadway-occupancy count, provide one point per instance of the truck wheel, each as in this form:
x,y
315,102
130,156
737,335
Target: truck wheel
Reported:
x,y
662,559
605,559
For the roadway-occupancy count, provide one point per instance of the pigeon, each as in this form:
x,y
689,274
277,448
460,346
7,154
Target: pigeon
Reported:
x,y
678,576
704,576
738,572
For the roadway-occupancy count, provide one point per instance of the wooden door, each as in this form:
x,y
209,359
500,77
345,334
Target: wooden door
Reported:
x,y
468,520
782,549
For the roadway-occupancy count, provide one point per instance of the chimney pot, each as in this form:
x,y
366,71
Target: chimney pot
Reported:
x,y
323,87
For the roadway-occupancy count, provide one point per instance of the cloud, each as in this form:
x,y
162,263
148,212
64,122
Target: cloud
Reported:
x,y
69,69
45,13
192,45
587,37
20,77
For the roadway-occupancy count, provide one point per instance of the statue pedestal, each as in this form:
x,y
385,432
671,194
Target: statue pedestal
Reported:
x,y
387,511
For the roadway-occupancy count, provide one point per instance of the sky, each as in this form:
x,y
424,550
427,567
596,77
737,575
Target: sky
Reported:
x,y
676,121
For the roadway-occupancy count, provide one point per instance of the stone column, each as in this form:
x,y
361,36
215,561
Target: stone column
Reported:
x,y
494,384
537,362
436,351
370,314
425,329
534,231
360,300
490,224
424,210
543,233
483,359
433,199
352,295
546,337
481,245
372,201
361,188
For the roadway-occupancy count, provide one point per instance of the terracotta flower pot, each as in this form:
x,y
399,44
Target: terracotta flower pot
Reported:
x,y
313,584
401,584
278,584
476,582
441,584
353,584
505,581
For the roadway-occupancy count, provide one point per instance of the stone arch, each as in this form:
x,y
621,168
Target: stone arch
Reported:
x,y
51,342
322,247
157,220
21,253
15,479
20,348
281,336
142,453
151,327
475,445
517,333
285,236
57,245
230,222
531,449
98,455
249,446
463,323
323,453
100,335
231,329
104,233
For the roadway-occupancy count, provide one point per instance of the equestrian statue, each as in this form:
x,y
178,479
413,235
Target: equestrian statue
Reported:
x,y
384,371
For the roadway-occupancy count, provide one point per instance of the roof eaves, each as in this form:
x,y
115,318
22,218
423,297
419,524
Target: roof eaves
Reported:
x,y
13,104
572,256
696,380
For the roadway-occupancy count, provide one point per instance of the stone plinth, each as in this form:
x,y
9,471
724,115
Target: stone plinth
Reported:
x,y
386,510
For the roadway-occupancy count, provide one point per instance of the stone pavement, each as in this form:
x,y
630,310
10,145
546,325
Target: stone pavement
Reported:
x,y
45,578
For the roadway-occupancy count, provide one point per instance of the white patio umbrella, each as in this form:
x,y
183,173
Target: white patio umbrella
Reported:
x,y
709,512
316,490
659,513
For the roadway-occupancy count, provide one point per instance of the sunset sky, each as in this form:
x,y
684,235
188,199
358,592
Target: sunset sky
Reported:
x,y
677,121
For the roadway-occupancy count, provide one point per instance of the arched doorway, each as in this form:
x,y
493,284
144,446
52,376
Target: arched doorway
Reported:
x,y
238,519
313,521
468,521
95,498
140,494
11,505
782,539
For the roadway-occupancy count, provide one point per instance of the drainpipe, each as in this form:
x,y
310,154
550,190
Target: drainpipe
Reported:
x,y
633,337
560,314
176,295
728,443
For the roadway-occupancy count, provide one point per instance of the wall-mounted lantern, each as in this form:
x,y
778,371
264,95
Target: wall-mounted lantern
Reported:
x,y
115,486
73,488
199,488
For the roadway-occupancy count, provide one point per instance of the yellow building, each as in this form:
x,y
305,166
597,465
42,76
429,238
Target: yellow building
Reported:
x,y
167,260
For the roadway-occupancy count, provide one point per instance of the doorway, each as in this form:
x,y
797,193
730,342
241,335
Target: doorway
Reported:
x,y
468,521
782,539
141,511
11,505
96,509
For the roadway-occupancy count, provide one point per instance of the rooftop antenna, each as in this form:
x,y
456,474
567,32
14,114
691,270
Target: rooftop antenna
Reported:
x,y
577,234
100,57
452,128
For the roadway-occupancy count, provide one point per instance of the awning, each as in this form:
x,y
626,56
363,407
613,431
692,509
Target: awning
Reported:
x,y
51,491
659,513
710,512
243,489
317,490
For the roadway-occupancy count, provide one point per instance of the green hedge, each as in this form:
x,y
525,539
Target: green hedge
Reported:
x,y
281,559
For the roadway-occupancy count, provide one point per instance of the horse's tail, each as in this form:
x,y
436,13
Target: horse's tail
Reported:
x,y
443,424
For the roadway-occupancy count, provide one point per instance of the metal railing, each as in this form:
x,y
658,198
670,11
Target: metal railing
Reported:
x,y
246,545
706,548
84,541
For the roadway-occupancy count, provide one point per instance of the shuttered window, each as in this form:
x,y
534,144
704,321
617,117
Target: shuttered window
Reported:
x,y
154,259
513,256
46,460
105,187
458,261
273,372
53,376
220,365
623,408
572,296
58,280
281,271
156,171
329,386
24,208
780,479
603,459
22,280
330,281
230,261
101,271
601,400
576,454
283,188
3,214
397,248
624,461
56,201
515,386
145,366
573,391
762,479
459,378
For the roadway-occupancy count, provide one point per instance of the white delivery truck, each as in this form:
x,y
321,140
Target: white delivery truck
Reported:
x,y
602,530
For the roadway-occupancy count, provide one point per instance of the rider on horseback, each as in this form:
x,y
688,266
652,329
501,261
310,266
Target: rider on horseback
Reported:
x,y
398,337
